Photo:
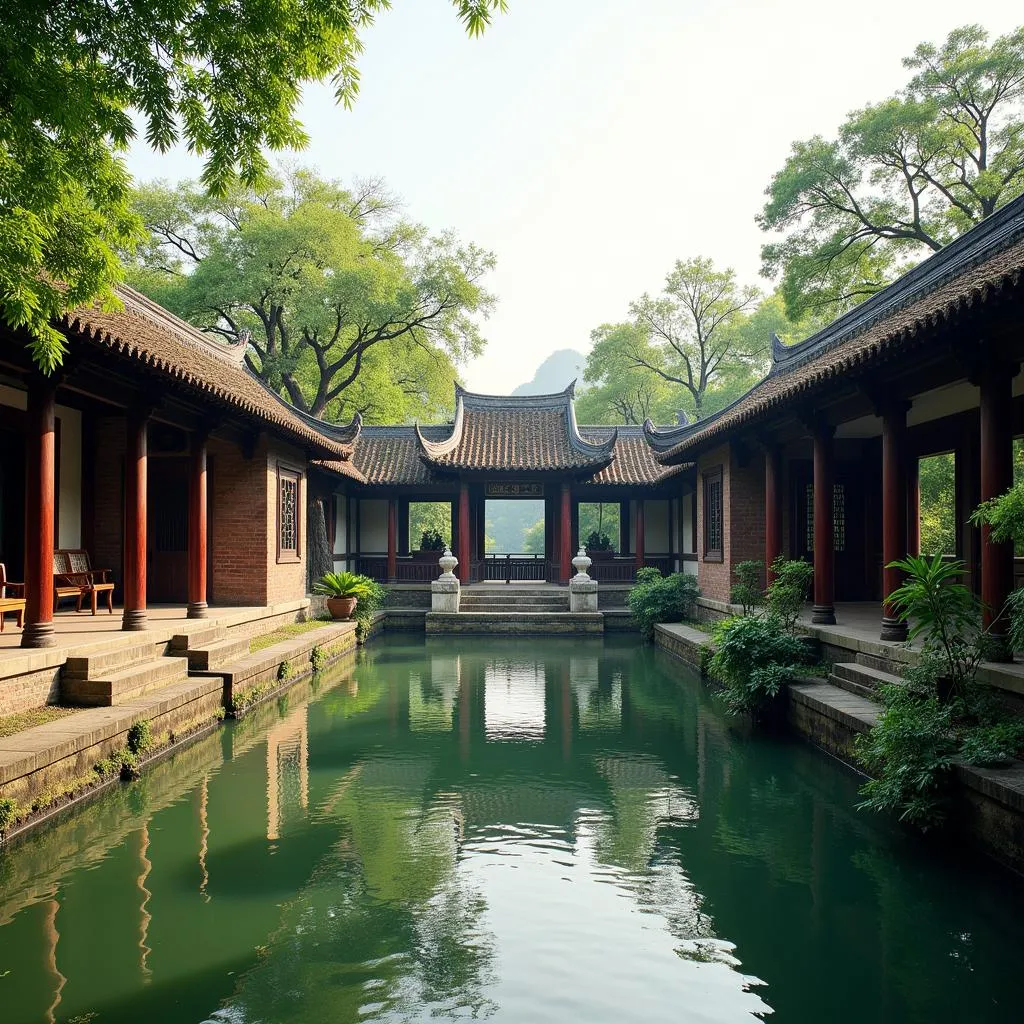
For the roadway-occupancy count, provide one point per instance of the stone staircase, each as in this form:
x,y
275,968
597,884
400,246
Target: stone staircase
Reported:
x,y
209,649
514,600
119,675
124,673
515,610
861,679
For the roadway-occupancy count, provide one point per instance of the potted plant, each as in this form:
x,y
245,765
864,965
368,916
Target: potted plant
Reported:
x,y
432,543
343,590
599,546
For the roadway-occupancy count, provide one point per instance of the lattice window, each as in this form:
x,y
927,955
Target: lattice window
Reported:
x,y
287,515
713,516
838,517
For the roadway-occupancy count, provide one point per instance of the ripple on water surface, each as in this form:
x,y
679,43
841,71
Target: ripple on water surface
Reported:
x,y
524,831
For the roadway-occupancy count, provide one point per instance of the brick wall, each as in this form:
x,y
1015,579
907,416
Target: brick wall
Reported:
x,y
743,518
243,529
713,577
110,439
285,580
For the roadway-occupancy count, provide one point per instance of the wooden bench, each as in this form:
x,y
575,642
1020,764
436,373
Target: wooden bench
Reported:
x,y
73,576
9,603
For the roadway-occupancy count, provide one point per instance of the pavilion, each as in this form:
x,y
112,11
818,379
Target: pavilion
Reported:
x,y
511,448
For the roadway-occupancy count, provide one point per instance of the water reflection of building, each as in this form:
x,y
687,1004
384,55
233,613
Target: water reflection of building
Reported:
x,y
432,694
287,768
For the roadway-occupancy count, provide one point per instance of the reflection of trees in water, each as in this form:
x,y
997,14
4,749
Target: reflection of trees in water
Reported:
x,y
386,923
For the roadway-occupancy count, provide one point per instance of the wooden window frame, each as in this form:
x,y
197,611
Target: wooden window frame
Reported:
x,y
293,473
713,477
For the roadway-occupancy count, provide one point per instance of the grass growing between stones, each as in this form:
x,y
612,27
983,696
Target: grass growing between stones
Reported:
x,y
258,643
10,724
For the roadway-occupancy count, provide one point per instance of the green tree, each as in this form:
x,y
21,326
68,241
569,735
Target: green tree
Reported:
x,y
323,283
429,515
224,79
903,177
533,538
618,390
937,475
690,331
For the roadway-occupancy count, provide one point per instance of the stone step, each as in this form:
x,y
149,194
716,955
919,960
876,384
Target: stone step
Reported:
x,y
882,663
517,606
522,623
111,660
217,654
860,679
197,638
125,684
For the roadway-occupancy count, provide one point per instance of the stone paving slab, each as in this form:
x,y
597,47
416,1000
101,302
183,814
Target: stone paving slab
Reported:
x,y
32,749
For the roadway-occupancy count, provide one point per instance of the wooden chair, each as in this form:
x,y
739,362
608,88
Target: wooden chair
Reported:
x,y
73,576
9,603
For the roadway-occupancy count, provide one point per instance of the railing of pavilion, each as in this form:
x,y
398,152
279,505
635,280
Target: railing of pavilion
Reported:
x,y
506,567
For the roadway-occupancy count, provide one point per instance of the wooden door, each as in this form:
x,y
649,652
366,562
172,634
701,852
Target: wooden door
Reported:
x,y
848,500
167,531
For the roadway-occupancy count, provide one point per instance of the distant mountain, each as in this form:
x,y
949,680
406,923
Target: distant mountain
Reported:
x,y
555,373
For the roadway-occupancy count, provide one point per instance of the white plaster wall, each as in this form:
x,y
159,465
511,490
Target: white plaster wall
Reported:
x,y
373,525
656,527
340,525
690,568
69,526
687,525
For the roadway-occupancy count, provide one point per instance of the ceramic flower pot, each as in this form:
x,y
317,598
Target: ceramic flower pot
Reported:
x,y
341,607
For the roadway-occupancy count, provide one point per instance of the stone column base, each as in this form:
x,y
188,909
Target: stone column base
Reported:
x,y
197,610
893,630
823,615
38,634
133,619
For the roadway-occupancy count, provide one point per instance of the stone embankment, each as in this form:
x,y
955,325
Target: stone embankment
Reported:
x,y
988,803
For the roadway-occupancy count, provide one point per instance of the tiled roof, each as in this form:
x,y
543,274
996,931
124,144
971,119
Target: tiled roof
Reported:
x,y
634,461
986,261
393,455
535,433
148,334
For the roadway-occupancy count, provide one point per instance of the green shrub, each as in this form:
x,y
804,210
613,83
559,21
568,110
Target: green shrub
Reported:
x,y
317,658
910,752
8,813
754,656
121,762
788,590
747,591
140,737
284,671
656,598
372,600
431,540
947,616
598,541
995,744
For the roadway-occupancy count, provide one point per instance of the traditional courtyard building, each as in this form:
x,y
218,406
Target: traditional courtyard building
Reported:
x,y
820,459
155,454
512,448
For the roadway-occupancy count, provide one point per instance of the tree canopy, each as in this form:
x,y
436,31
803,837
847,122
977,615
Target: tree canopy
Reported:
x,y
692,349
902,177
345,307
224,79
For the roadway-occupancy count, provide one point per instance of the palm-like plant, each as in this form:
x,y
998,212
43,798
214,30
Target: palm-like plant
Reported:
x,y
936,604
344,584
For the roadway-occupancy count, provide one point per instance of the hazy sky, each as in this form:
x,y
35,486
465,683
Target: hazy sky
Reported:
x,y
591,143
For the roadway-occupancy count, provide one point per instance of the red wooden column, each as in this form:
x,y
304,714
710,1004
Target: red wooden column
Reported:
x,y
824,611
392,539
565,551
40,450
639,526
197,529
772,507
996,479
894,511
135,514
464,555
913,505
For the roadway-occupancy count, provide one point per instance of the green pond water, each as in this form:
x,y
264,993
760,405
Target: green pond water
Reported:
x,y
518,830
